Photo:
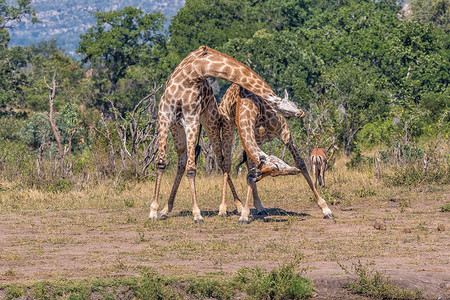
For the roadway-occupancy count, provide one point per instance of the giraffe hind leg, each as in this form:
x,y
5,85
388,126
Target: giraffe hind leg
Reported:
x,y
179,138
192,127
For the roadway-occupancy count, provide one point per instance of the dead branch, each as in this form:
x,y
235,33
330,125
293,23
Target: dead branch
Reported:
x,y
138,138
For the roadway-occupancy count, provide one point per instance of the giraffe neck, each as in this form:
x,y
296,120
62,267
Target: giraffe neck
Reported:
x,y
206,62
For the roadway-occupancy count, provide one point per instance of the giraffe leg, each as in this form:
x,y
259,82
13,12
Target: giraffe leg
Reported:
x,y
223,203
192,128
179,138
251,185
160,166
246,210
237,201
257,202
301,165
227,141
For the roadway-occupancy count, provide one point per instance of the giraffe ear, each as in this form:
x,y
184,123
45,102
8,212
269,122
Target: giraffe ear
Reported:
x,y
286,96
205,50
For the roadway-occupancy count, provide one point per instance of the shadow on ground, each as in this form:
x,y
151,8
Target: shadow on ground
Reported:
x,y
270,215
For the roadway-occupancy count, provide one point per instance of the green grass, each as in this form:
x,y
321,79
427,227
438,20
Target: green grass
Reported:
x,y
445,208
374,284
282,283
254,283
148,286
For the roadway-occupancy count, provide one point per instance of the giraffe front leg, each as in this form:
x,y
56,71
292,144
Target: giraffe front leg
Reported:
x,y
257,202
223,204
154,206
251,184
245,213
160,166
300,163
251,167
327,214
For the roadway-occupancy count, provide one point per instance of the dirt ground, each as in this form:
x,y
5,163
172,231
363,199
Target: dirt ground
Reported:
x,y
95,242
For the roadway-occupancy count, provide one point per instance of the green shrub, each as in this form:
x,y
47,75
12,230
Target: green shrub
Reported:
x,y
153,286
282,283
211,288
374,284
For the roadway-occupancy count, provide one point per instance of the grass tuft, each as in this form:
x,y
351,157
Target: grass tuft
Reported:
x,y
211,288
445,208
374,284
282,283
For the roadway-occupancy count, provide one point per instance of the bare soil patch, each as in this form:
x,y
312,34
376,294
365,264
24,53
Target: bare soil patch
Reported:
x,y
43,244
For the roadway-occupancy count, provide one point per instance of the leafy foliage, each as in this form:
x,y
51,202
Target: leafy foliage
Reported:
x,y
366,74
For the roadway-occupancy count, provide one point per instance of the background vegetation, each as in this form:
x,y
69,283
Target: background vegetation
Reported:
x,y
371,76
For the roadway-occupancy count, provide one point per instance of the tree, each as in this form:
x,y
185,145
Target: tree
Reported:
x,y
213,23
43,60
12,78
355,98
11,14
117,41
12,60
279,58
436,12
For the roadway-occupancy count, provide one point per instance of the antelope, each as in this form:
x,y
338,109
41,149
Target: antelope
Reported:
x,y
319,163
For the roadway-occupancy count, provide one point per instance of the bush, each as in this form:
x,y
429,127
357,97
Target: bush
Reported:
x,y
282,283
414,174
374,284
211,288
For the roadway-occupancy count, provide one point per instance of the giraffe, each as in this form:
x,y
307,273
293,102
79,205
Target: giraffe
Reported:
x,y
182,96
257,124
211,121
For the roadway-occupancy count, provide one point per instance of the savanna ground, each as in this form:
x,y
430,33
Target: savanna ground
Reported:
x,y
104,232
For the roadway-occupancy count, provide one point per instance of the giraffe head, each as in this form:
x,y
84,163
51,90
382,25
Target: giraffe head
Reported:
x,y
289,108
273,166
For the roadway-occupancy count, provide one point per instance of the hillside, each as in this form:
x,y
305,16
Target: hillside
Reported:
x,y
65,20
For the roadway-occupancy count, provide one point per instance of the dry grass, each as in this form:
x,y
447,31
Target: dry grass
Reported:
x,y
104,230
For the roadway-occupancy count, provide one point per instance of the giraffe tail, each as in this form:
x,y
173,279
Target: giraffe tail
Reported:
x,y
244,159
198,148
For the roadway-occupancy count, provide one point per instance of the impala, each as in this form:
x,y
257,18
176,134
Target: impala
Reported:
x,y
319,163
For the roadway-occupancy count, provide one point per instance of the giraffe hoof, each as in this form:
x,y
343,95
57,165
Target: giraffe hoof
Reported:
x,y
198,221
223,215
242,222
329,216
263,213
163,217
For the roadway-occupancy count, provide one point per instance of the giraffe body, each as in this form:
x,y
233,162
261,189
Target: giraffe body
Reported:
x,y
257,124
181,102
